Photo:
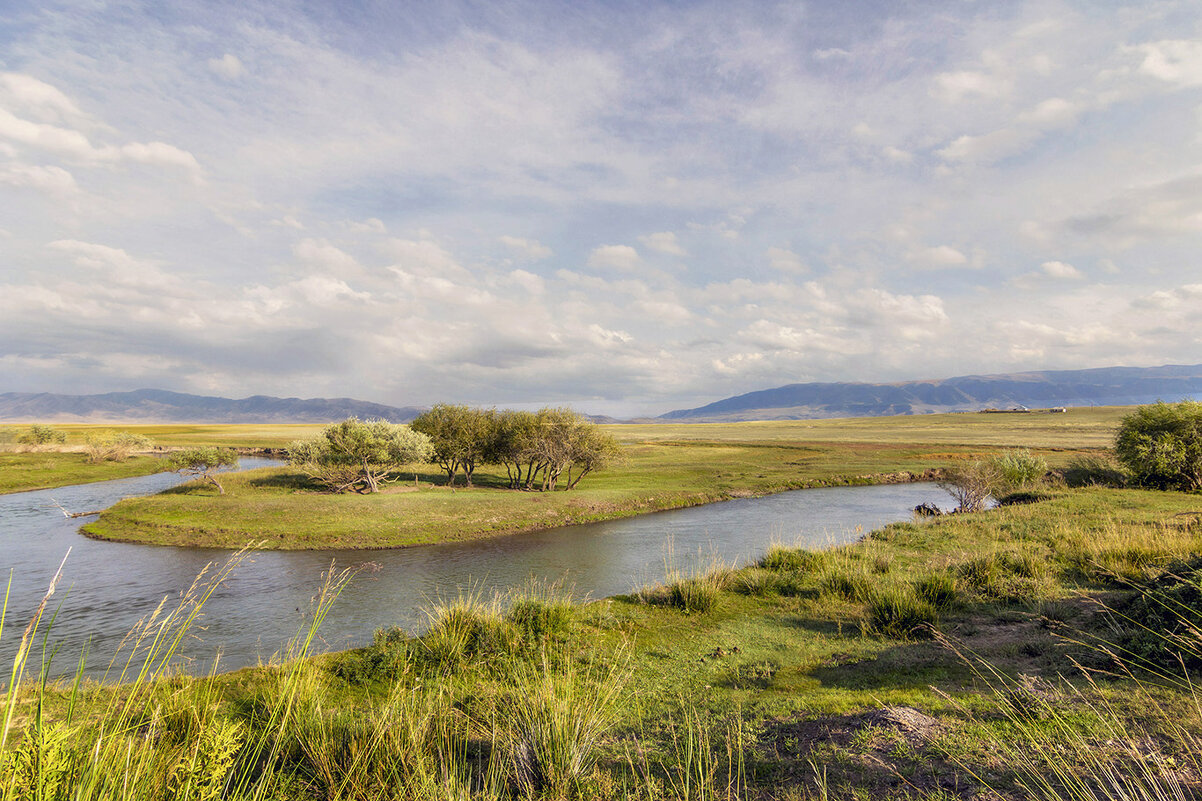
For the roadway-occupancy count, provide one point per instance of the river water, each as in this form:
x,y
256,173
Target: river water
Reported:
x,y
106,587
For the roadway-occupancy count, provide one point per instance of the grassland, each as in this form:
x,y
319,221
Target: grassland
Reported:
x,y
21,472
787,679
665,467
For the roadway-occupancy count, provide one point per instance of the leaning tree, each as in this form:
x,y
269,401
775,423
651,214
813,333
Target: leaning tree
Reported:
x,y
359,456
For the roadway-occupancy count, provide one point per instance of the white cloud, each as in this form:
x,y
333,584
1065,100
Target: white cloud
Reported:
x,y
228,66
663,242
527,248
1059,269
1176,61
50,179
615,257
372,225
785,261
940,257
321,254
37,97
955,86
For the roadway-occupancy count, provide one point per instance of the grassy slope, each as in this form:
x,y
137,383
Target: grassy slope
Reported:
x,y
666,467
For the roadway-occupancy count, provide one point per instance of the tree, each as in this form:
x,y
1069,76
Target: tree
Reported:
x,y
114,446
1161,445
570,445
461,436
972,485
359,455
202,463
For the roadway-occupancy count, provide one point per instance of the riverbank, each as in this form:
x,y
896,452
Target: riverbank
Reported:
x,y
279,509
807,676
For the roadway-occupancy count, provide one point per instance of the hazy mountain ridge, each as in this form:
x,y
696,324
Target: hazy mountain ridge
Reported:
x,y
161,406
1101,386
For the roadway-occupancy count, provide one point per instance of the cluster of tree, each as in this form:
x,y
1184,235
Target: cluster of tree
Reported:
x,y
359,456
1161,445
538,449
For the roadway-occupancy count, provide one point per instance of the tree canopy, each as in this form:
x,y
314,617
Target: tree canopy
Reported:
x,y
202,463
1161,445
359,456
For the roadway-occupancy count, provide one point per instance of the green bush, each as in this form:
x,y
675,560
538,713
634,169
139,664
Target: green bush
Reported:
x,y
1017,468
42,435
1161,445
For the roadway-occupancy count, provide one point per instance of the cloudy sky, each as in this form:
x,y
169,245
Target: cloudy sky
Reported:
x,y
626,206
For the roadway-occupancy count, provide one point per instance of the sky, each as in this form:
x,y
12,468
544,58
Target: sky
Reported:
x,y
628,207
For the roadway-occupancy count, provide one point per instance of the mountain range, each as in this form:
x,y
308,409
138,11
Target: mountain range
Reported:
x,y
1103,386
161,406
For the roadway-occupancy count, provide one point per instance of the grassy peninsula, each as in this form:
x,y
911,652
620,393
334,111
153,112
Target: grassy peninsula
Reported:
x,y
664,467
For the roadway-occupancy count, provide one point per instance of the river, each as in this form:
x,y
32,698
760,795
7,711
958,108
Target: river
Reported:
x,y
106,586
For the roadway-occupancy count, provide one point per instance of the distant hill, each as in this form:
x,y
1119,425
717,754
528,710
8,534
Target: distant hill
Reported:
x,y
160,406
1103,386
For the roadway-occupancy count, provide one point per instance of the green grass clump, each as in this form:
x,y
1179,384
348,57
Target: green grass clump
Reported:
x,y
797,560
938,589
1008,576
847,581
897,611
540,613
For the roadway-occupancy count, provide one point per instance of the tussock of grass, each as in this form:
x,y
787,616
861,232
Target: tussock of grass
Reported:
x,y
896,610
938,589
796,560
1008,576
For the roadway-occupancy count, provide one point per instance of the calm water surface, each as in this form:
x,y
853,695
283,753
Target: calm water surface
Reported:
x,y
107,586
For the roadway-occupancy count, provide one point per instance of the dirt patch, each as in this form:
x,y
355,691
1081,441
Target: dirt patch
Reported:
x,y
889,751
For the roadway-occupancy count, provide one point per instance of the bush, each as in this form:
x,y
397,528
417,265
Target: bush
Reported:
x,y
1161,445
971,485
1017,468
114,446
42,435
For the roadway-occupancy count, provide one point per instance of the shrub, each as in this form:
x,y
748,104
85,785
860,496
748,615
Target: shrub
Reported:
x,y
355,455
1161,445
895,610
971,485
1017,468
114,446
42,435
